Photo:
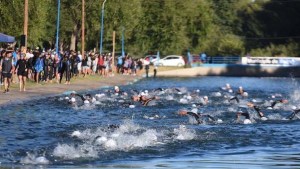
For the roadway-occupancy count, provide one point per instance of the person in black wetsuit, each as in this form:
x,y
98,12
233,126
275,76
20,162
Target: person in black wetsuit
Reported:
x,y
246,115
257,109
278,101
22,72
87,98
143,99
296,111
198,117
65,68
7,68
48,68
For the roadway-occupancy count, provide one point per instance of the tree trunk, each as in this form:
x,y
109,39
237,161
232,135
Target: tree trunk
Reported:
x,y
73,45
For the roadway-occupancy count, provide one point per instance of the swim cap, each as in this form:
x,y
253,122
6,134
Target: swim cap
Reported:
x,y
86,102
73,100
116,87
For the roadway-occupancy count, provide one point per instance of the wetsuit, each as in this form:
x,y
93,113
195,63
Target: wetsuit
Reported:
x,y
235,98
21,66
246,115
48,69
198,117
293,114
275,102
159,89
257,109
65,68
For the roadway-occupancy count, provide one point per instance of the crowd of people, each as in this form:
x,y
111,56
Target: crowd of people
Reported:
x,y
47,66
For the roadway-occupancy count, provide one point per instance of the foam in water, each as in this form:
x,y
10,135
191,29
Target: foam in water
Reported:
x,y
126,137
183,133
34,159
66,151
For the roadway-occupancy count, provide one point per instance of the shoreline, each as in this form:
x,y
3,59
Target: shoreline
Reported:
x,y
37,91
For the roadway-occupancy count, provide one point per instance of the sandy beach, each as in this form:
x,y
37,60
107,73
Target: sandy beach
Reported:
x,y
35,91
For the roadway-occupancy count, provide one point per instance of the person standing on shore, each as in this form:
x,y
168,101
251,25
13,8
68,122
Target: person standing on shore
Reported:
x,y
21,70
7,68
147,67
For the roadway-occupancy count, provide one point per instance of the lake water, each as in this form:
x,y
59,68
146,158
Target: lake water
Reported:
x,y
51,133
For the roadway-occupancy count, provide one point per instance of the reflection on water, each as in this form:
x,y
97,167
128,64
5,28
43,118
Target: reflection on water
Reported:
x,y
110,134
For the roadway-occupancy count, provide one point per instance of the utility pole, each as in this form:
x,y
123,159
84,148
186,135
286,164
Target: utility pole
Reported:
x,y
57,29
25,31
82,28
113,52
102,27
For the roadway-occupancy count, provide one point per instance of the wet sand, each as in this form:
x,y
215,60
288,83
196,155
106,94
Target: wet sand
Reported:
x,y
37,91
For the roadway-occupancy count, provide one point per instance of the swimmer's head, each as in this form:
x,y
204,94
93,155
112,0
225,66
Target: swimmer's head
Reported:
x,y
284,101
205,98
135,98
117,88
250,104
228,86
72,100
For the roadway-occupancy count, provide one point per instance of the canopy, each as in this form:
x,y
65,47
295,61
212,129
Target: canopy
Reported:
x,y
6,38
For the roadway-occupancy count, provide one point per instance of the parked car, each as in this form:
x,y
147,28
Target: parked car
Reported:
x,y
150,59
171,60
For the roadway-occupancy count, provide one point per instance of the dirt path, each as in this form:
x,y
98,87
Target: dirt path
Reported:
x,y
36,91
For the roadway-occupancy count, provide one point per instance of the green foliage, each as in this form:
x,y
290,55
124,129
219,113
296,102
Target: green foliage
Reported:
x,y
217,27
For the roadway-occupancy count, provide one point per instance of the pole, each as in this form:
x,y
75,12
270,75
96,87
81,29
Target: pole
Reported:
x,y
57,29
82,28
25,31
113,52
123,48
102,27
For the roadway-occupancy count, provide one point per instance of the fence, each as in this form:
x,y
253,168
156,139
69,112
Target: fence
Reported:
x,y
218,60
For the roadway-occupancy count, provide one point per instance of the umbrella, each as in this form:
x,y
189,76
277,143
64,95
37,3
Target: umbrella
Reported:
x,y
6,38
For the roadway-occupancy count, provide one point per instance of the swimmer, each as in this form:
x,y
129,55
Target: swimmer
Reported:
x,y
246,115
198,117
278,101
117,91
257,109
88,98
295,112
234,98
204,101
143,99
158,89
242,92
227,87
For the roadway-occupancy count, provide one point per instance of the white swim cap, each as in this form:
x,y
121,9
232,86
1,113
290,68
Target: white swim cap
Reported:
x,y
86,102
131,106
67,98
116,87
143,94
73,100
197,90
205,97
240,87
247,121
